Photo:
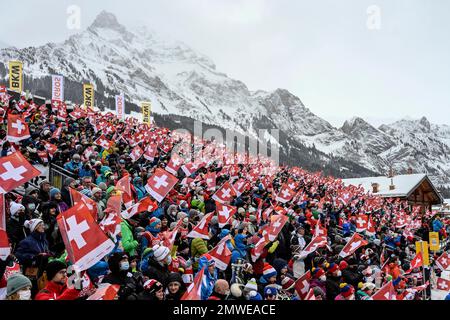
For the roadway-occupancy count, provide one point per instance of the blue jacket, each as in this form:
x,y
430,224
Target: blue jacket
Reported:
x,y
30,247
437,225
391,241
209,280
140,190
71,166
240,250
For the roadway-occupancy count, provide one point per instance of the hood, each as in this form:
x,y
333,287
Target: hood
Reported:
x,y
239,241
114,261
175,276
279,264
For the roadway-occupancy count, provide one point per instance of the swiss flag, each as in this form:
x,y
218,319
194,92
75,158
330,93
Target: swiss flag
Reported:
x,y
146,204
240,186
277,223
159,185
57,132
225,194
401,220
124,185
355,242
78,113
51,148
56,105
168,237
361,222
224,213
5,249
150,152
310,295
85,242
286,194
174,164
110,224
258,249
137,153
78,197
443,262
17,128
103,142
193,292
106,291
15,170
191,167
210,179
88,152
319,230
221,254
201,230
370,230
302,285
416,262
443,284
313,245
386,292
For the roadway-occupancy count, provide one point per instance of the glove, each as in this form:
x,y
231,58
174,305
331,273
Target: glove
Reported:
x,y
274,246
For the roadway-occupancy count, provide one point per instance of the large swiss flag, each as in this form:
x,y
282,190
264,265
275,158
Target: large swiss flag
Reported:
x,y
159,185
15,170
17,128
225,194
85,242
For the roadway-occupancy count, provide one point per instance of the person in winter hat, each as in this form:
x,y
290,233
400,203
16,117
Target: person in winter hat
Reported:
x,y
254,296
270,293
210,275
31,201
139,188
55,196
34,245
251,285
153,291
119,266
346,292
269,277
158,262
221,290
240,249
18,287
366,290
333,280
175,287
56,288
319,279
15,227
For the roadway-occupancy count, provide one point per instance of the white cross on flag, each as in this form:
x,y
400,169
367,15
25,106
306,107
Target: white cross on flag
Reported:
x,y
51,148
105,291
78,197
416,262
302,285
355,242
225,194
62,112
277,223
159,185
103,142
193,292
168,237
258,249
443,262
174,164
224,213
150,152
201,230
361,222
146,204
136,153
240,186
443,284
17,128
85,242
15,170
310,295
110,223
88,152
319,230
285,194
401,221
386,292
370,230
5,248
221,254
210,179
57,132
77,113
313,245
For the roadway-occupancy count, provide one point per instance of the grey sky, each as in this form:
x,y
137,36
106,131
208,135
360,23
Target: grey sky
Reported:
x,y
320,50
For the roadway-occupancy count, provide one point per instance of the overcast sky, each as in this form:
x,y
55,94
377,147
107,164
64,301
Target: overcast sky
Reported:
x,y
320,50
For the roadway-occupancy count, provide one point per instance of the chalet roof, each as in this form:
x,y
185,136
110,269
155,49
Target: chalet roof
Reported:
x,y
404,184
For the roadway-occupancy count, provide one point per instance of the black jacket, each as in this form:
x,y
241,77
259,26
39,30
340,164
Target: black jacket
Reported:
x,y
15,231
332,286
156,271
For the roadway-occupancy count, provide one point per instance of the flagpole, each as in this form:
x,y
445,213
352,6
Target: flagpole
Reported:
x,y
423,270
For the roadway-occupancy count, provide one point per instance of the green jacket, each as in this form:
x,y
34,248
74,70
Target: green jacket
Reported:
x,y
128,242
197,204
198,248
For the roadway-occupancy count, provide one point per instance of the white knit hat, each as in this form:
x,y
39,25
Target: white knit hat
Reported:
x,y
32,224
251,285
160,252
15,207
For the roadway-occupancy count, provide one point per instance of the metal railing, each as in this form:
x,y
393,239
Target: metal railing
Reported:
x,y
58,176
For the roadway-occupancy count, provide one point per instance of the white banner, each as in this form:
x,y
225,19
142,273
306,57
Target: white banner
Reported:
x,y
58,88
120,106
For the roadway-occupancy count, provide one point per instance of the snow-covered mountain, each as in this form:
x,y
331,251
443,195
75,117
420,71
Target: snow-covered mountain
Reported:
x,y
182,83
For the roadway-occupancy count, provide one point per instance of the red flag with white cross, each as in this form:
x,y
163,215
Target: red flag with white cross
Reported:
x,y
174,164
137,153
443,262
210,179
103,142
150,152
17,128
224,213
355,242
302,285
286,194
159,185
15,170
146,204
78,197
221,254
193,292
85,242
225,194
361,222
386,292
416,262
443,284
201,230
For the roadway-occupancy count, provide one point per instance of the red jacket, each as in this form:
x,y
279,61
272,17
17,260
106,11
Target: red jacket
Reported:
x,y
54,291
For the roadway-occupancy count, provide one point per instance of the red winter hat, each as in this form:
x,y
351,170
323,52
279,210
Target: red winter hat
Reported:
x,y
343,265
317,272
